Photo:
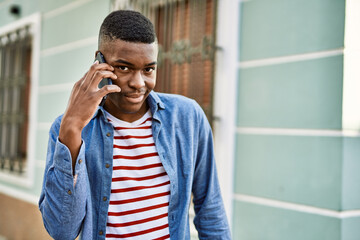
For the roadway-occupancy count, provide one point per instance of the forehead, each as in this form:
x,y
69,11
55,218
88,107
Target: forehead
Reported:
x,y
135,53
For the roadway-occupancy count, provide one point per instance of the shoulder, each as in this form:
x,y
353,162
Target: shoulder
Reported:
x,y
178,102
181,109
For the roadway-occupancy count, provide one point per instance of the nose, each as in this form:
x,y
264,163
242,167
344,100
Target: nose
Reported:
x,y
137,81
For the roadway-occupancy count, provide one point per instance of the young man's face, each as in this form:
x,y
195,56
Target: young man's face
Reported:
x,y
135,67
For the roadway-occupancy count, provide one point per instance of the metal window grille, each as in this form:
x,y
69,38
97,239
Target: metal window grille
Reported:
x,y
186,35
15,55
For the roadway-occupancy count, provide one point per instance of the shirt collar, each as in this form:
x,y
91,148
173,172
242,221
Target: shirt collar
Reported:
x,y
154,102
100,110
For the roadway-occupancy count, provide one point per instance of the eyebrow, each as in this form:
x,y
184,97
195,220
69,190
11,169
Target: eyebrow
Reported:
x,y
130,64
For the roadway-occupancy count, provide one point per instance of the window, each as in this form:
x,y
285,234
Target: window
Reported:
x,y
17,73
15,52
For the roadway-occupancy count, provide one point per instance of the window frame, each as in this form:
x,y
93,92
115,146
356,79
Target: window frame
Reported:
x,y
27,178
351,85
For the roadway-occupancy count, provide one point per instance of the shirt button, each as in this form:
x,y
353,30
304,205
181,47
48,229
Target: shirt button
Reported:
x,y
108,134
104,198
69,192
107,165
80,161
101,232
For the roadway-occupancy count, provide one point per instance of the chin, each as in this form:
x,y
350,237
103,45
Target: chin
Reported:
x,y
136,108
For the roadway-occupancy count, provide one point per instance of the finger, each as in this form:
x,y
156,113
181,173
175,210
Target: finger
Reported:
x,y
79,83
108,89
98,76
102,71
89,78
90,72
100,66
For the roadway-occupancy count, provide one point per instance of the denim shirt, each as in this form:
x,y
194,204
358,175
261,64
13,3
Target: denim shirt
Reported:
x,y
183,139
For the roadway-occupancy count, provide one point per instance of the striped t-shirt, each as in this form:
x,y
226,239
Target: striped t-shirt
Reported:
x,y
140,187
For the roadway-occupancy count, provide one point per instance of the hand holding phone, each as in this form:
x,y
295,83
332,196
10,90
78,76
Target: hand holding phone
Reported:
x,y
104,81
83,103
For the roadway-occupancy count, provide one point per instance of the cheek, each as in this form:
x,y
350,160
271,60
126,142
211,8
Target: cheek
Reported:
x,y
151,82
151,86
121,81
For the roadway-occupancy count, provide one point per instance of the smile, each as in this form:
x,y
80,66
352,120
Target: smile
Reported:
x,y
134,98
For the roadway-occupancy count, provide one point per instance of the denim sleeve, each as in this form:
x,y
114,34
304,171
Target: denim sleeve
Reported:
x,y
210,217
62,202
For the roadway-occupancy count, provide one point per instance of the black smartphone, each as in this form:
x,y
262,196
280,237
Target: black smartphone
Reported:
x,y
104,81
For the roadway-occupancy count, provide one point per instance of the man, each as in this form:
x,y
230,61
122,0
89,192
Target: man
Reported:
x,y
127,170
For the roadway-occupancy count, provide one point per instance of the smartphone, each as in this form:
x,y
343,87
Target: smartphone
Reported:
x,y
104,81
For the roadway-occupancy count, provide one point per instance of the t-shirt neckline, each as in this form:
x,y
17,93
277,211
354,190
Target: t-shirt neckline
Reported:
x,y
118,122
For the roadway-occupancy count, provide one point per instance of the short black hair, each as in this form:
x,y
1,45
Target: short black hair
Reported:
x,y
127,25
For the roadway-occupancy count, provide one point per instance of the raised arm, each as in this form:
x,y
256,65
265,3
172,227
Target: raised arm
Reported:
x,y
83,102
66,186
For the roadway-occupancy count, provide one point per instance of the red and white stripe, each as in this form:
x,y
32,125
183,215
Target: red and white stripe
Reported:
x,y
140,188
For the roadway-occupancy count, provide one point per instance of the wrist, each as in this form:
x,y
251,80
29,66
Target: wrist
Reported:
x,y
69,132
70,136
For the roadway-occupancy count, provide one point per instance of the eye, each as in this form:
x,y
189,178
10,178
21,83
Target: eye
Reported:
x,y
149,69
123,68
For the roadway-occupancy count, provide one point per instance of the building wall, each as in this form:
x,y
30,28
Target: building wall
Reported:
x,y
295,165
68,41
295,170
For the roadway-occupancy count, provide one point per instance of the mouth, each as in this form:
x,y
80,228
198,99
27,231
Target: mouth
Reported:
x,y
134,97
